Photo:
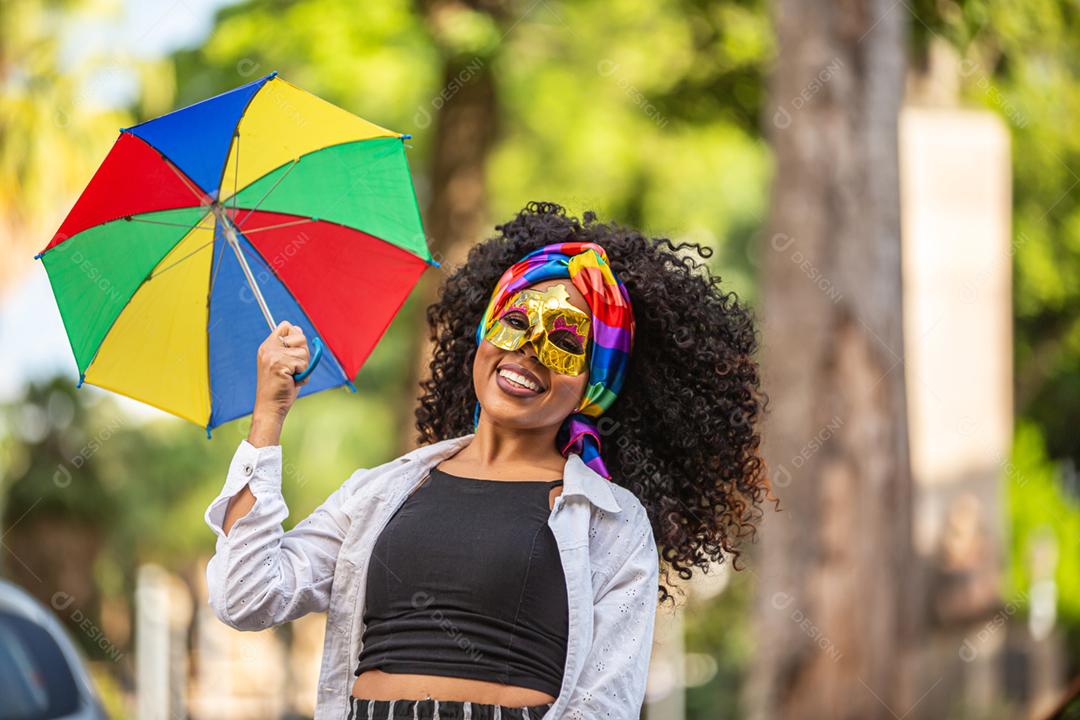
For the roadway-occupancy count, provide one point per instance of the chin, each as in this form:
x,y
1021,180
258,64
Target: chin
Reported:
x,y
513,413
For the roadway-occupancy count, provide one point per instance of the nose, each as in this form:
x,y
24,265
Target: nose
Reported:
x,y
528,348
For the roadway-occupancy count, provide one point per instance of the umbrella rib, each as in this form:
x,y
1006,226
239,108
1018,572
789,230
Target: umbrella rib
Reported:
x,y
187,183
132,218
239,223
279,225
217,266
178,260
236,171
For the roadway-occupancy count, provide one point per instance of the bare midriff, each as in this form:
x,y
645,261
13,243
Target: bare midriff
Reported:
x,y
378,685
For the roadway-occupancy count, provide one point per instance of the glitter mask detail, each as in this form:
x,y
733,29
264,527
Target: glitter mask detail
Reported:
x,y
550,322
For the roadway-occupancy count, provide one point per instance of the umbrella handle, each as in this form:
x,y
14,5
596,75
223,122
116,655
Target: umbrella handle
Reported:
x,y
312,362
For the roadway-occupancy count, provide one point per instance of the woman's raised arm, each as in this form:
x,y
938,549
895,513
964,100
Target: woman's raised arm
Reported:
x,y
282,354
260,575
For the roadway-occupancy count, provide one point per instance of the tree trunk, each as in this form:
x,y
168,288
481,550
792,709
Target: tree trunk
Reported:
x,y
464,113
834,605
457,209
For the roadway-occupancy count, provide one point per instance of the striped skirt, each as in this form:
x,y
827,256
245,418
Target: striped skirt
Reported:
x,y
365,709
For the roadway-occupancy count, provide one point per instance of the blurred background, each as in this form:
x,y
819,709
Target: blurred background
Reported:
x,y
893,185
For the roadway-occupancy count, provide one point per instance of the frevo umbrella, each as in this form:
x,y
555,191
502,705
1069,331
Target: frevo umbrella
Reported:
x,y
204,225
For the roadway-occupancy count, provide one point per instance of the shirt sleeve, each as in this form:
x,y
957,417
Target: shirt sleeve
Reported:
x,y
261,576
613,678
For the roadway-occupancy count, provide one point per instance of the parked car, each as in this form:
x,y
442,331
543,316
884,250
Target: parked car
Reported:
x,y
42,676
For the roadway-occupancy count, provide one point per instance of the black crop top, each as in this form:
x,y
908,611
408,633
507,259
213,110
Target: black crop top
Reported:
x,y
465,580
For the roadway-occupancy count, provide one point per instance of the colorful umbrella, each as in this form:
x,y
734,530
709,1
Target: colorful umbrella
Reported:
x,y
202,226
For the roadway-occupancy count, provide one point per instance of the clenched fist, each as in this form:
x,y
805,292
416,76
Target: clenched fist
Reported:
x,y
283,353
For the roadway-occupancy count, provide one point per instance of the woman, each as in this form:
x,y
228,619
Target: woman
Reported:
x,y
507,567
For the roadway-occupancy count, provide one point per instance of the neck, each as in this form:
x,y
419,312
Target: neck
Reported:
x,y
498,445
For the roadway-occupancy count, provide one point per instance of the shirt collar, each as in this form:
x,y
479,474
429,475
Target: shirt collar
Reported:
x,y
578,478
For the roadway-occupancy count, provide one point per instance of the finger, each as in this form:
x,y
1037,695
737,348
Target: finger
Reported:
x,y
297,353
283,328
289,365
295,338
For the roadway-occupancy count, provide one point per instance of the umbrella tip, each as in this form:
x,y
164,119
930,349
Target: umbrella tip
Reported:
x,y
352,388
38,256
434,262
207,432
272,75
406,136
82,376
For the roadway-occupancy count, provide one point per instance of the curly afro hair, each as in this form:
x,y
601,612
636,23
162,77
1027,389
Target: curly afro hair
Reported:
x,y
683,434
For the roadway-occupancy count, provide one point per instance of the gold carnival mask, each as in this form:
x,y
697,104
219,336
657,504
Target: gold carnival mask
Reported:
x,y
557,329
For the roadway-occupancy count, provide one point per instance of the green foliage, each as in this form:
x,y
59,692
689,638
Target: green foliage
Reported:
x,y
1044,523
51,141
375,59
644,112
712,631
624,108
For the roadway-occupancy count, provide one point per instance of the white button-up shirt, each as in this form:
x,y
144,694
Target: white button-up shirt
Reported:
x,y
261,576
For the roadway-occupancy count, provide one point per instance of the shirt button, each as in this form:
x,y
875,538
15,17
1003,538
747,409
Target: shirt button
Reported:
x,y
248,469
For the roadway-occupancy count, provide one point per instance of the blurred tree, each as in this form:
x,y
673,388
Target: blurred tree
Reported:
x,y
603,108
833,617
464,113
56,499
731,44
52,134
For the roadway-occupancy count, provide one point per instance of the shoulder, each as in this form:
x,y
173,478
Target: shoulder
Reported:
x,y
377,479
631,512
614,538
388,475
628,502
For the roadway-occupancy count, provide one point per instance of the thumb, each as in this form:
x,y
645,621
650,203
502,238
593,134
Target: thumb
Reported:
x,y
282,328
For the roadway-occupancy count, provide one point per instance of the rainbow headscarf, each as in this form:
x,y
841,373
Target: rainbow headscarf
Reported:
x,y
586,264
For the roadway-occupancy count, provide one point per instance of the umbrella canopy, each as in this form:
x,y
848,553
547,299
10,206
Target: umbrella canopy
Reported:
x,y
202,225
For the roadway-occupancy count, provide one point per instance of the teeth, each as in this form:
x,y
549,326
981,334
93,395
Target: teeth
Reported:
x,y
519,379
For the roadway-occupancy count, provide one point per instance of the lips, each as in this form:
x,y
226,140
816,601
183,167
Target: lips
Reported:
x,y
521,370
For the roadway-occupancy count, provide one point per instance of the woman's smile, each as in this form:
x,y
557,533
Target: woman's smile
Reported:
x,y
516,380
